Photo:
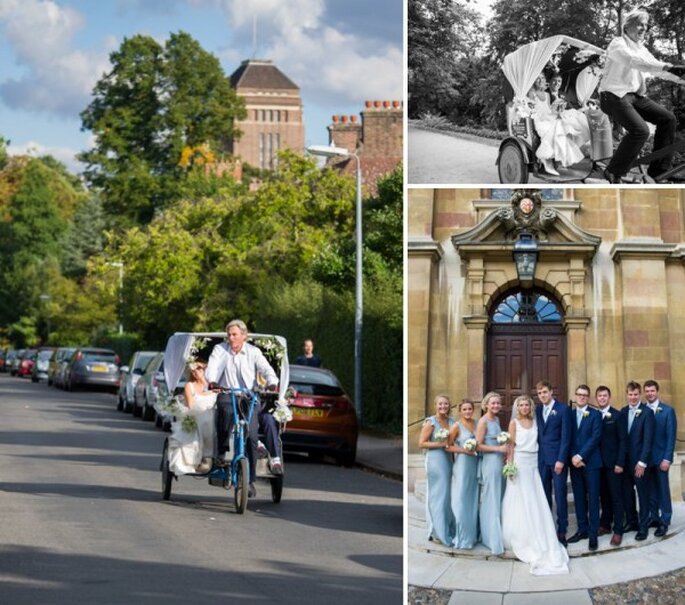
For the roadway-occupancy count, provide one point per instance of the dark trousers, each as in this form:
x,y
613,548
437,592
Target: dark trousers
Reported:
x,y
660,508
633,111
632,484
549,479
611,498
585,484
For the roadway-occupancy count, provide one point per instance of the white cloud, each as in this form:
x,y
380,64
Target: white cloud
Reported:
x,y
58,79
64,154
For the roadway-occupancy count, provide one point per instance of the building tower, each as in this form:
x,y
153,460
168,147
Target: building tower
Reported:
x,y
274,113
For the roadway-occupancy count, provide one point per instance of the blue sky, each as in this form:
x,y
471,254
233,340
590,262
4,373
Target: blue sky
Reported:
x,y
340,53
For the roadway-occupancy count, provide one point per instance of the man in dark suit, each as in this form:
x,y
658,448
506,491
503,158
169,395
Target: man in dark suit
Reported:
x,y
612,446
637,422
554,440
665,426
586,461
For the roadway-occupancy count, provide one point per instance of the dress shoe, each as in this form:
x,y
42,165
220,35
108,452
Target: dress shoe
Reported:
x,y
577,537
548,164
252,491
612,178
641,535
562,539
661,531
616,540
592,545
276,466
631,527
653,524
603,531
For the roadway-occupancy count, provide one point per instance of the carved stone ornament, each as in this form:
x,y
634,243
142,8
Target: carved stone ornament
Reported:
x,y
526,214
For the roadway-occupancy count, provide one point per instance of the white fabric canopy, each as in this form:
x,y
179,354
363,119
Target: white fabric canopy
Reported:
x,y
525,64
586,82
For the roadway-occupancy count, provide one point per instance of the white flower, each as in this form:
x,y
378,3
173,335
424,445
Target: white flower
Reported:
x,y
440,434
189,424
586,414
503,438
638,412
509,470
607,415
282,413
470,445
659,409
553,413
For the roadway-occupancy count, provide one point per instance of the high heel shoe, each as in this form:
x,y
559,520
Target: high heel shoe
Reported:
x,y
548,165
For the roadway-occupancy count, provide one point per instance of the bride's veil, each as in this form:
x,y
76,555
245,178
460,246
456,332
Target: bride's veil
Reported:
x,y
515,412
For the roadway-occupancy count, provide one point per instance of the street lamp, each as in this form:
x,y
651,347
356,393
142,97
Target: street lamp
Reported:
x,y
45,298
330,151
120,265
526,257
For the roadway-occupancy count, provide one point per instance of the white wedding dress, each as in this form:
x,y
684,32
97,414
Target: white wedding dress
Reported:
x,y
527,524
186,449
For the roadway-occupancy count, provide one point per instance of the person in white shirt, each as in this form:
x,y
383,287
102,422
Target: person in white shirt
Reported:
x,y
622,97
236,365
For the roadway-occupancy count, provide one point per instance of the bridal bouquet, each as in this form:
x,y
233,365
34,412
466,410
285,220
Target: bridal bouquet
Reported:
x,y
470,445
282,413
189,424
441,434
503,438
509,470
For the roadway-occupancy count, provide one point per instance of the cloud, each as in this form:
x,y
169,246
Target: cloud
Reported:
x,y
57,79
329,62
64,154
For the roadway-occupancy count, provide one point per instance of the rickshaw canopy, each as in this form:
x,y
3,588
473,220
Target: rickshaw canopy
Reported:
x,y
525,64
178,350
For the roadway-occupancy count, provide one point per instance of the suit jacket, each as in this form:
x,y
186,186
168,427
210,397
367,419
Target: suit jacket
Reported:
x,y
612,444
665,426
554,436
585,438
641,436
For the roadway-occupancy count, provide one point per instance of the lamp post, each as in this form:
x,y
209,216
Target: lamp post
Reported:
x,y
330,151
120,265
526,257
45,298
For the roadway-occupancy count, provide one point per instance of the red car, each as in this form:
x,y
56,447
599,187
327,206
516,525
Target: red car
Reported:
x,y
27,362
324,420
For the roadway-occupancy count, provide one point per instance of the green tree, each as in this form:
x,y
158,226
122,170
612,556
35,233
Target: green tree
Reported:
x,y
153,103
4,156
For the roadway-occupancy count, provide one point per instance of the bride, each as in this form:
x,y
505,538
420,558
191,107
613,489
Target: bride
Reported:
x,y
527,523
192,443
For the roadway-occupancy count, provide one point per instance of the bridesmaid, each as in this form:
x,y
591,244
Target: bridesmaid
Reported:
x,y
433,439
464,479
491,470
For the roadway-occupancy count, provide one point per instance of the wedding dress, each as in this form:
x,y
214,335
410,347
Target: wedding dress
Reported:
x,y
187,449
527,524
563,135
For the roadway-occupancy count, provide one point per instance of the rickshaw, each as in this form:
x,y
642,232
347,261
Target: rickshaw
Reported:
x,y
578,63
185,346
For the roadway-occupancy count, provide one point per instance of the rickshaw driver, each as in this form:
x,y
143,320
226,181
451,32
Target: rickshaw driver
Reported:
x,y
235,365
622,97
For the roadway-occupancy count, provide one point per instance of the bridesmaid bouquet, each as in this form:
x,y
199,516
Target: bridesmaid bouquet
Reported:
x,y
441,434
470,445
503,438
509,470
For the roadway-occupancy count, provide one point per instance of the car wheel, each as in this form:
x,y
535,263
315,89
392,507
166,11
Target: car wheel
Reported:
x,y
120,403
148,411
136,410
167,475
276,489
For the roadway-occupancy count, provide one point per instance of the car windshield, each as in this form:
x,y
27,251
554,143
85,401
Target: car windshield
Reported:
x,y
315,383
98,356
142,361
45,354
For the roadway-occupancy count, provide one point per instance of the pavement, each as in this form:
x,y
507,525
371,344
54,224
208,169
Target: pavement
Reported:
x,y
480,578
381,454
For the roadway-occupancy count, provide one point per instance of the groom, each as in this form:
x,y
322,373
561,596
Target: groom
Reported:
x,y
554,440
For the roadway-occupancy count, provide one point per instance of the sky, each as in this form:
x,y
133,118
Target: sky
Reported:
x,y
339,52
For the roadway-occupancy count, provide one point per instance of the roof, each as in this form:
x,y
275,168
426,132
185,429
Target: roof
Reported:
x,y
261,74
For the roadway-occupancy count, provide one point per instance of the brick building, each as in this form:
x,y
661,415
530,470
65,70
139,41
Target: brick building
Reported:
x,y
274,113
377,140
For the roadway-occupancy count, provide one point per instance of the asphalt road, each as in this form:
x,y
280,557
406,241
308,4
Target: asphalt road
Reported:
x,y
82,519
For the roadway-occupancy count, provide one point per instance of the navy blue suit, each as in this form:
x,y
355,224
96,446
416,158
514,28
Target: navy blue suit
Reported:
x,y
612,447
638,449
554,441
585,480
665,426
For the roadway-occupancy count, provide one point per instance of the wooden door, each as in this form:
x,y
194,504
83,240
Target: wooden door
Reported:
x,y
518,356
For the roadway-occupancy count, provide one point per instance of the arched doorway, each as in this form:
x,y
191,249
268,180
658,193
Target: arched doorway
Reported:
x,y
526,343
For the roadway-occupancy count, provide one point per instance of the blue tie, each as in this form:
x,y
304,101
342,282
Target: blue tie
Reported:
x,y
631,417
579,417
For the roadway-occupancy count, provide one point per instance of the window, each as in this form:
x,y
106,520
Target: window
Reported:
x,y
505,194
526,306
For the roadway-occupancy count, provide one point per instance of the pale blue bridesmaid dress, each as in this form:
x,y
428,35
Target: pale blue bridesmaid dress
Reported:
x,y
465,494
491,492
439,520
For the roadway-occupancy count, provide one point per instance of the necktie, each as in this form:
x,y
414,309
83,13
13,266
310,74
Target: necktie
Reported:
x,y
631,417
579,417
545,412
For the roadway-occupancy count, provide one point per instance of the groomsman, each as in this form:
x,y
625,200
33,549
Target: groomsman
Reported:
x,y
665,426
612,446
637,423
586,462
554,440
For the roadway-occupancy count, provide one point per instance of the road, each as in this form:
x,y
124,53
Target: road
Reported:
x,y
436,158
83,519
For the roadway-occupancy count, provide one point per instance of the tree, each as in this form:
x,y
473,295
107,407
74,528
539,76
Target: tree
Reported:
x,y
154,102
3,152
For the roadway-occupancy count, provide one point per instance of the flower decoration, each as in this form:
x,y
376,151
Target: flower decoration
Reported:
x,y
586,414
198,346
272,349
440,434
282,413
607,415
659,409
509,470
189,424
503,438
470,445
553,413
169,406
638,412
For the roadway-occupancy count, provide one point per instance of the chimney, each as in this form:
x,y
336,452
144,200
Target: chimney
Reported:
x,y
382,129
345,131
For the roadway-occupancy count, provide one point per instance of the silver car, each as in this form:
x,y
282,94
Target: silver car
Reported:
x,y
150,387
130,375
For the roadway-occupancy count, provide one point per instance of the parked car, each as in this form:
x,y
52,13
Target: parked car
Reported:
x,y
3,360
150,386
324,419
130,375
15,361
28,360
58,363
93,367
40,368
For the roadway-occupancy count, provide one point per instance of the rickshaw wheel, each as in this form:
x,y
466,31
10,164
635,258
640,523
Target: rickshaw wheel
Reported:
x,y
167,475
241,486
511,164
276,489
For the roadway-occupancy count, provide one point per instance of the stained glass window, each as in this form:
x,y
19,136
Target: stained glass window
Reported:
x,y
526,306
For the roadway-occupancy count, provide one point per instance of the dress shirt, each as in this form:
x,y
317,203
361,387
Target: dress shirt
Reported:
x,y
546,409
605,411
627,62
239,370
579,415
